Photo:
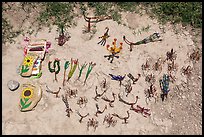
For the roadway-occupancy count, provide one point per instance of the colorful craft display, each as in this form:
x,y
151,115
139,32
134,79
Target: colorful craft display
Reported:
x,y
34,52
38,46
55,68
74,64
29,97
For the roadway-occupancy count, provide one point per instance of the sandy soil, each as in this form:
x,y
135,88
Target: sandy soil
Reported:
x,y
180,114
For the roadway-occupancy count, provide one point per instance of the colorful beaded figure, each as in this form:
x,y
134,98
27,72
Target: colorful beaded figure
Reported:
x,y
56,67
113,50
164,84
117,78
66,65
73,68
91,65
104,37
152,38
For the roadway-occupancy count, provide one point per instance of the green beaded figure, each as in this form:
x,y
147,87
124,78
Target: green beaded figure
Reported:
x,y
91,65
56,65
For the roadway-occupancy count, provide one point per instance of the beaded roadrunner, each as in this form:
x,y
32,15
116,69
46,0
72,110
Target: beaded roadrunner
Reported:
x,y
152,38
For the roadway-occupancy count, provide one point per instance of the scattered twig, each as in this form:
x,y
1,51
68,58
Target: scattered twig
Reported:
x,y
150,79
171,55
150,93
146,66
158,65
128,88
97,94
172,66
92,123
195,56
72,93
121,100
56,92
82,117
109,119
65,100
133,78
187,70
108,100
104,86
99,111
124,118
82,101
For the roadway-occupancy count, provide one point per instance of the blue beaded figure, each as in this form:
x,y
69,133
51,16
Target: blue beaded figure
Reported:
x,y
164,84
117,78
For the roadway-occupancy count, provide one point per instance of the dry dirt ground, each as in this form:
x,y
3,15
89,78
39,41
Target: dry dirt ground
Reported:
x,y
180,113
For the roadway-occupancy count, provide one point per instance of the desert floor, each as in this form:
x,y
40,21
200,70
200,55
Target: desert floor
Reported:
x,y
180,113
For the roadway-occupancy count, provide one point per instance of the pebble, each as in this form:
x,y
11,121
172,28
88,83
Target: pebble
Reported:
x,y
183,97
13,85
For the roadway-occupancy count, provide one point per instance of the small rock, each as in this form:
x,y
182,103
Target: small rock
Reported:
x,y
13,85
183,97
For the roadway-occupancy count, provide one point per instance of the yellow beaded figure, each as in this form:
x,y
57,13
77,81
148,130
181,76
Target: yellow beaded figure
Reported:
x,y
114,50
